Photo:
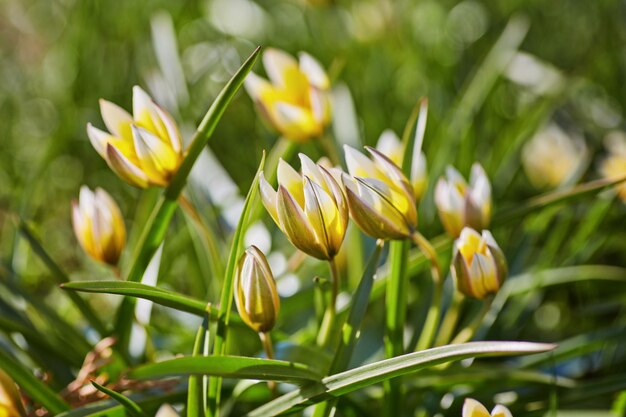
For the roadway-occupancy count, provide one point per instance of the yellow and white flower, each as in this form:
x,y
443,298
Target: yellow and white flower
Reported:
x,y
461,204
310,209
391,146
143,149
614,166
99,225
478,264
255,291
379,195
552,158
295,100
472,408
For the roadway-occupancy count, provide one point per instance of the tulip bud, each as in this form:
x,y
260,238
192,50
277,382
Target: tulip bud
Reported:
x,y
551,158
472,408
390,145
478,264
255,291
614,166
380,198
10,401
143,149
460,204
295,100
310,209
99,225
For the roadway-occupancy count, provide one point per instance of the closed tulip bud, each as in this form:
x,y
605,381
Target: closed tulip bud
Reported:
x,y
10,401
390,145
380,198
99,225
478,264
472,408
295,100
310,209
461,204
551,158
255,291
614,166
143,149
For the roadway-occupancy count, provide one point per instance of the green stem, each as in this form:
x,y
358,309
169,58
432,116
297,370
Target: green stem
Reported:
x,y
326,328
432,318
450,320
266,340
466,334
330,148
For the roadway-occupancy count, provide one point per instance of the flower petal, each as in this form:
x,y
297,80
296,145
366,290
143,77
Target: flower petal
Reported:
x,y
291,180
501,411
116,119
268,197
472,408
124,168
314,71
390,145
98,139
277,63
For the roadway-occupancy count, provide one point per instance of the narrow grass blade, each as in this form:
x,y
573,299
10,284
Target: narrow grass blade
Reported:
x,y
227,367
354,379
156,227
36,389
197,390
226,299
129,405
61,277
555,197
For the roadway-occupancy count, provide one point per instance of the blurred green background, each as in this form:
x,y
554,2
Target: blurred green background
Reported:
x,y
495,73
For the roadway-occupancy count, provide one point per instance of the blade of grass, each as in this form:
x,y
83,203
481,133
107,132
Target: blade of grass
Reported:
x,y
239,367
129,405
156,227
36,389
61,277
354,379
226,299
197,389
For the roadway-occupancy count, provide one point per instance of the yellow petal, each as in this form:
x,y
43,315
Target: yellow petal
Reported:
x,y
296,227
314,71
173,134
390,145
256,87
291,180
501,411
472,408
277,64
98,139
116,119
124,168
294,122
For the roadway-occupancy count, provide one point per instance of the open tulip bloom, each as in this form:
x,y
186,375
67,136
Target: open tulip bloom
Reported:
x,y
99,225
295,100
461,204
472,408
143,149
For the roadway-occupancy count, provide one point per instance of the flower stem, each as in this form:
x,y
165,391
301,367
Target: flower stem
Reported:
x,y
328,321
450,320
266,340
432,318
467,333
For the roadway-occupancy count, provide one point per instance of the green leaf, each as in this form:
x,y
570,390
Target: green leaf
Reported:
x,y
156,227
133,409
226,299
227,367
197,391
37,390
61,277
354,379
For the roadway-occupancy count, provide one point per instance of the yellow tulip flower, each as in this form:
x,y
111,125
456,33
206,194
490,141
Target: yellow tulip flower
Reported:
x,y
478,264
10,401
143,149
461,204
390,145
614,166
310,209
472,408
255,291
295,100
380,198
99,225
552,158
